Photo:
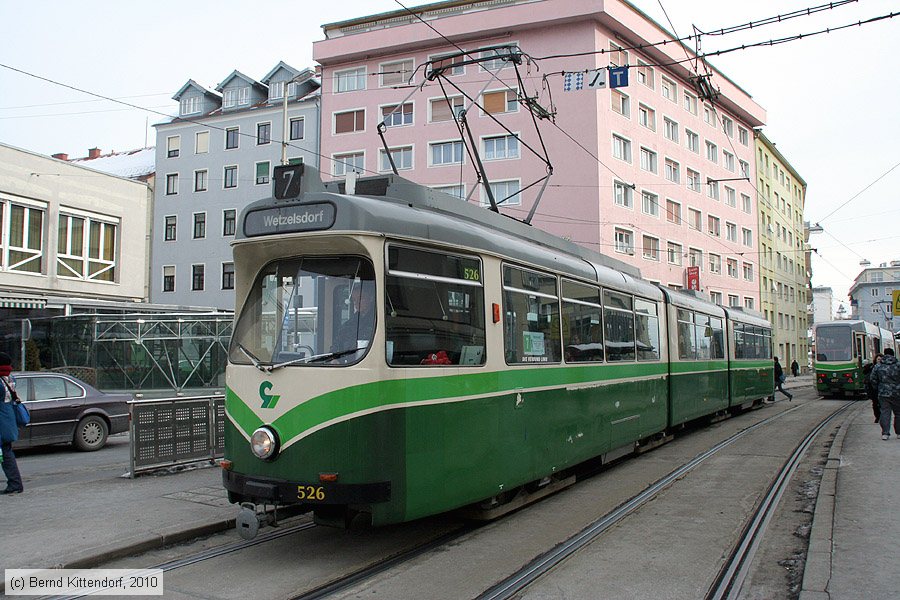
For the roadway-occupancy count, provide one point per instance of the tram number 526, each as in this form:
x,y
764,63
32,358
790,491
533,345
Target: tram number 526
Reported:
x,y
310,493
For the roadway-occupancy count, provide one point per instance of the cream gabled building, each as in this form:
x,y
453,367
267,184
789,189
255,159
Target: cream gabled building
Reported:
x,y
784,278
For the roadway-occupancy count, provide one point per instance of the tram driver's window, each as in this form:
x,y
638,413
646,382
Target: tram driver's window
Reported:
x,y
531,327
434,309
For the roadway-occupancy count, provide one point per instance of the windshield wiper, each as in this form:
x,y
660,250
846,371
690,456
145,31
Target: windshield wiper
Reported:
x,y
256,362
315,357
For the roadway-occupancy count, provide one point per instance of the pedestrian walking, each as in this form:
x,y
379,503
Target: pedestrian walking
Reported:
x,y
779,380
885,379
9,431
871,392
795,368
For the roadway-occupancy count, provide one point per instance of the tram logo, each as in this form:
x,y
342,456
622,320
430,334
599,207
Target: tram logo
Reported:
x,y
268,400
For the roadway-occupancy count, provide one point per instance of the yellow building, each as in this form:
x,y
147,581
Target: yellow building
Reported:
x,y
783,272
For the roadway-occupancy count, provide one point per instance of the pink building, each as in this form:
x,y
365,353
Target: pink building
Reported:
x,y
650,173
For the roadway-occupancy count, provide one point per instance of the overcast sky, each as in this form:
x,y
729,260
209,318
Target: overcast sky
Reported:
x,y
831,99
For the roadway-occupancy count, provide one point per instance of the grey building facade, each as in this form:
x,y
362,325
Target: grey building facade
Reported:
x,y
871,295
212,161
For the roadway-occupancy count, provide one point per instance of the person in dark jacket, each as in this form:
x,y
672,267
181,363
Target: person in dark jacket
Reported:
x,y
779,380
886,380
9,430
795,368
871,392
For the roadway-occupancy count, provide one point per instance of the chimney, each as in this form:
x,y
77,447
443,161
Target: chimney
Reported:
x,y
94,153
61,156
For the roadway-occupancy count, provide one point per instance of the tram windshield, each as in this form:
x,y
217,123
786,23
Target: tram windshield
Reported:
x,y
307,311
833,344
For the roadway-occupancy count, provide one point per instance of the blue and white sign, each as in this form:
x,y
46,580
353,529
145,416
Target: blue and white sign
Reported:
x,y
618,77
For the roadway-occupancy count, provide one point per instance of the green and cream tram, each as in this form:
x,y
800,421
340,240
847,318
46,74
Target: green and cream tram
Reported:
x,y
398,353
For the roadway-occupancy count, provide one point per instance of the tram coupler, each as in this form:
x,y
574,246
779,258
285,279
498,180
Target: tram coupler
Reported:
x,y
249,520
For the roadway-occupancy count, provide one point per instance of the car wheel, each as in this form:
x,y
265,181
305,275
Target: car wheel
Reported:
x,y
91,433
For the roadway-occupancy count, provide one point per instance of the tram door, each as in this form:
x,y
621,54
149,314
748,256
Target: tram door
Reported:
x,y
859,344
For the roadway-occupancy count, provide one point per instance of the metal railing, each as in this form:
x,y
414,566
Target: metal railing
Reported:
x,y
169,432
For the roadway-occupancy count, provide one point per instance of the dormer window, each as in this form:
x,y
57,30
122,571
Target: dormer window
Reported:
x,y
276,90
190,105
236,97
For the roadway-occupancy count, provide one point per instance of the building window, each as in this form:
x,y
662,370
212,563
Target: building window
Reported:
x,y
232,135
646,75
173,146
716,297
621,148
502,101
347,163
690,103
394,116
728,159
350,80
730,232
748,271
713,226
444,109
673,171
501,57
731,264
228,221
262,173
236,97
651,248
201,142
743,136
734,301
81,238
746,205
669,90
674,253
624,241
622,194
709,115
728,126
276,90
695,258
671,129
263,133
171,184
694,219
171,228
712,189
715,263
227,276
446,153
199,226
692,140
444,62
649,160
620,103
197,275
350,121
459,191
693,180
650,203
618,57
745,168
201,180
501,147
747,236
647,117
403,158
748,303
190,105
396,73
712,152
506,193
168,282
730,197
297,128
231,177
673,212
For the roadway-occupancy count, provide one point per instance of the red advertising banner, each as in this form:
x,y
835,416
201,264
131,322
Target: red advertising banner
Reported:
x,y
692,278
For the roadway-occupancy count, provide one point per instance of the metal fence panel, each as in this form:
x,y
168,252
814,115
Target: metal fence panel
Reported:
x,y
175,431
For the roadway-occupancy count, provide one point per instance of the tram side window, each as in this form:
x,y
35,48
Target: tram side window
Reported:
x,y
765,336
739,344
531,331
618,330
582,322
687,343
704,336
434,309
717,341
646,327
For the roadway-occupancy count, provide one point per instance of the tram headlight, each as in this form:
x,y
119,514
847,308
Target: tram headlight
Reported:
x,y
264,443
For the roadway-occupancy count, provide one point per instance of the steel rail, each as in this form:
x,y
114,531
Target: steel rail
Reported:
x,y
540,565
731,576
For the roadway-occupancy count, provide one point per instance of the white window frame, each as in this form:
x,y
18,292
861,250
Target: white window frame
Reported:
x,y
515,200
339,167
650,203
401,152
623,194
349,80
624,241
507,154
403,77
204,135
621,148
453,144
649,160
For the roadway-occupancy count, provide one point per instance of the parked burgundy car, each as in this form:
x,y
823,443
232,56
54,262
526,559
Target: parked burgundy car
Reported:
x,y
67,410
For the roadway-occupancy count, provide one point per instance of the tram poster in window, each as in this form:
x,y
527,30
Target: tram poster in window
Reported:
x,y
532,321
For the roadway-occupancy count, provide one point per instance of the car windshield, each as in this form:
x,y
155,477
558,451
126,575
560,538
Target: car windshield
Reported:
x,y
833,344
307,311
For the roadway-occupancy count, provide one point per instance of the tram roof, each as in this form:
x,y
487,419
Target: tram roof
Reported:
x,y
395,207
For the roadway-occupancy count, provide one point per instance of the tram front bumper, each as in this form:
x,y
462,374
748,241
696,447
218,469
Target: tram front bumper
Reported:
x,y
262,490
